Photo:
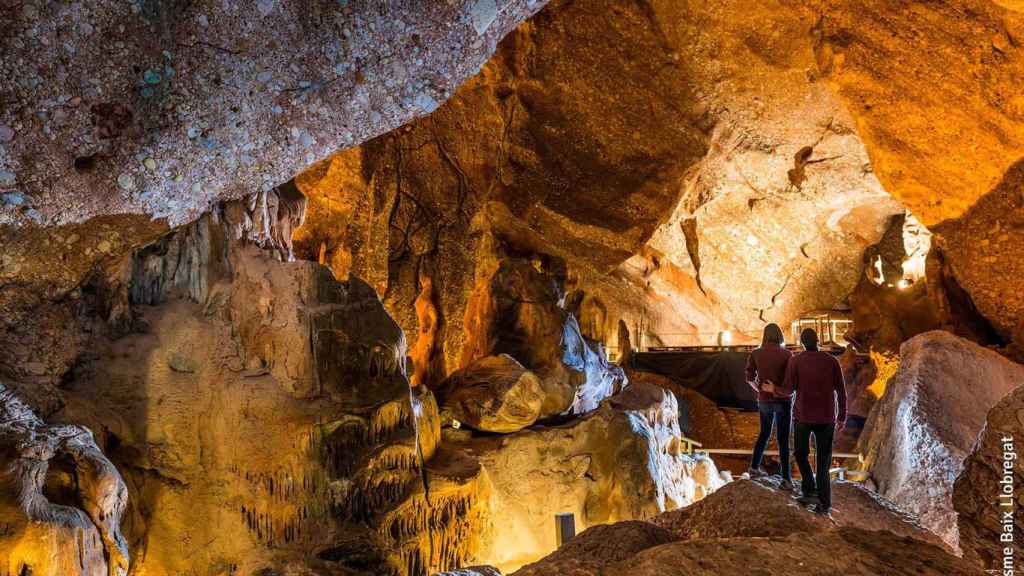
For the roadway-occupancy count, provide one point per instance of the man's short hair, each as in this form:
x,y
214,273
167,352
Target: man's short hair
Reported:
x,y
809,338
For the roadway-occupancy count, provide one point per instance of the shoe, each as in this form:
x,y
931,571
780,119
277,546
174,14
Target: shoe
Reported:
x,y
786,485
757,472
808,499
821,509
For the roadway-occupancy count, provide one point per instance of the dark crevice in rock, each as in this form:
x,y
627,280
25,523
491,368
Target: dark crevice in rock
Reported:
x,y
964,317
689,227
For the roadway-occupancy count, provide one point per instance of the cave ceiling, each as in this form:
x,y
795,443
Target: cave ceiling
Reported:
x,y
758,156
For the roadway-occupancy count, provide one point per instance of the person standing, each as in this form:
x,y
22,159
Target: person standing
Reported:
x,y
766,371
820,409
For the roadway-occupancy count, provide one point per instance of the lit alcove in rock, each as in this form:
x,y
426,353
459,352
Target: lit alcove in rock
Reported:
x,y
488,287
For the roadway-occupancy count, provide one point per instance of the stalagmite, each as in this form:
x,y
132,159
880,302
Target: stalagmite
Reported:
x,y
62,500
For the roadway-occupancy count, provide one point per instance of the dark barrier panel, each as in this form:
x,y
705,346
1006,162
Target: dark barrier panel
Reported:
x,y
717,375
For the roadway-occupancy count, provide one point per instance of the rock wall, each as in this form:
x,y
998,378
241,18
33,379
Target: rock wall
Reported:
x,y
986,495
898,69
920,432
583,102
982,250
262,408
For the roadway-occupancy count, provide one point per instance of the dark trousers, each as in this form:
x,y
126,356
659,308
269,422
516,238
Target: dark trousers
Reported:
x,y
776,414
820,482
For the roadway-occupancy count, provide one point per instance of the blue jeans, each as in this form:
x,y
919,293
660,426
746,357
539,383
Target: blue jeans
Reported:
x,y
774,414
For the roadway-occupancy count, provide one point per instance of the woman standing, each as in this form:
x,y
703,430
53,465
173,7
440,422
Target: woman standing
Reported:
x,y
766,373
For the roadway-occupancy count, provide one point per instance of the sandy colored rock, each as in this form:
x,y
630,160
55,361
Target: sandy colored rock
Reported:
x,y
983,250
293,434
759,509
494,394
921,431
847,550
992,465
749,521
598,547
62,501
619,462
919,82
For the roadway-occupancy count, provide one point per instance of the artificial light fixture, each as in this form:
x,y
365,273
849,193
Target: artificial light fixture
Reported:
x,y
903,284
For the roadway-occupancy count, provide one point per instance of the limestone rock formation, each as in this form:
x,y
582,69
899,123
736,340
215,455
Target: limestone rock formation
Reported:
x,y
601,379
704,142
622,461
748,521
263,407
519,311
62,499
846,550
597,547
699,417
988,488
494,394
898,70
983,249
758,509
919,433
117,108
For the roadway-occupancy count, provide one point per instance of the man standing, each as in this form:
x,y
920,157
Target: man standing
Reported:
x,y
820,395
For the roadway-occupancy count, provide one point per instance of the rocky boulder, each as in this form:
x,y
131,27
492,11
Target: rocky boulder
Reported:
x,y
597,547
842,551
758,509
494,394
748,521
919,433
988,488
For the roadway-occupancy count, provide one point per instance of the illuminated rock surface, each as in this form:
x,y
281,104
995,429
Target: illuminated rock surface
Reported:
x,y
984,249
600,178
874,54
980,496
619,462
494,394
748,522
62,501
923,428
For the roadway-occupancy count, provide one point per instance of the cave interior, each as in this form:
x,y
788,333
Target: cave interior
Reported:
x,y
470,288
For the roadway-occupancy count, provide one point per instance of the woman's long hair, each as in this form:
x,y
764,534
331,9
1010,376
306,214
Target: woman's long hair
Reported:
x,y
772,335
